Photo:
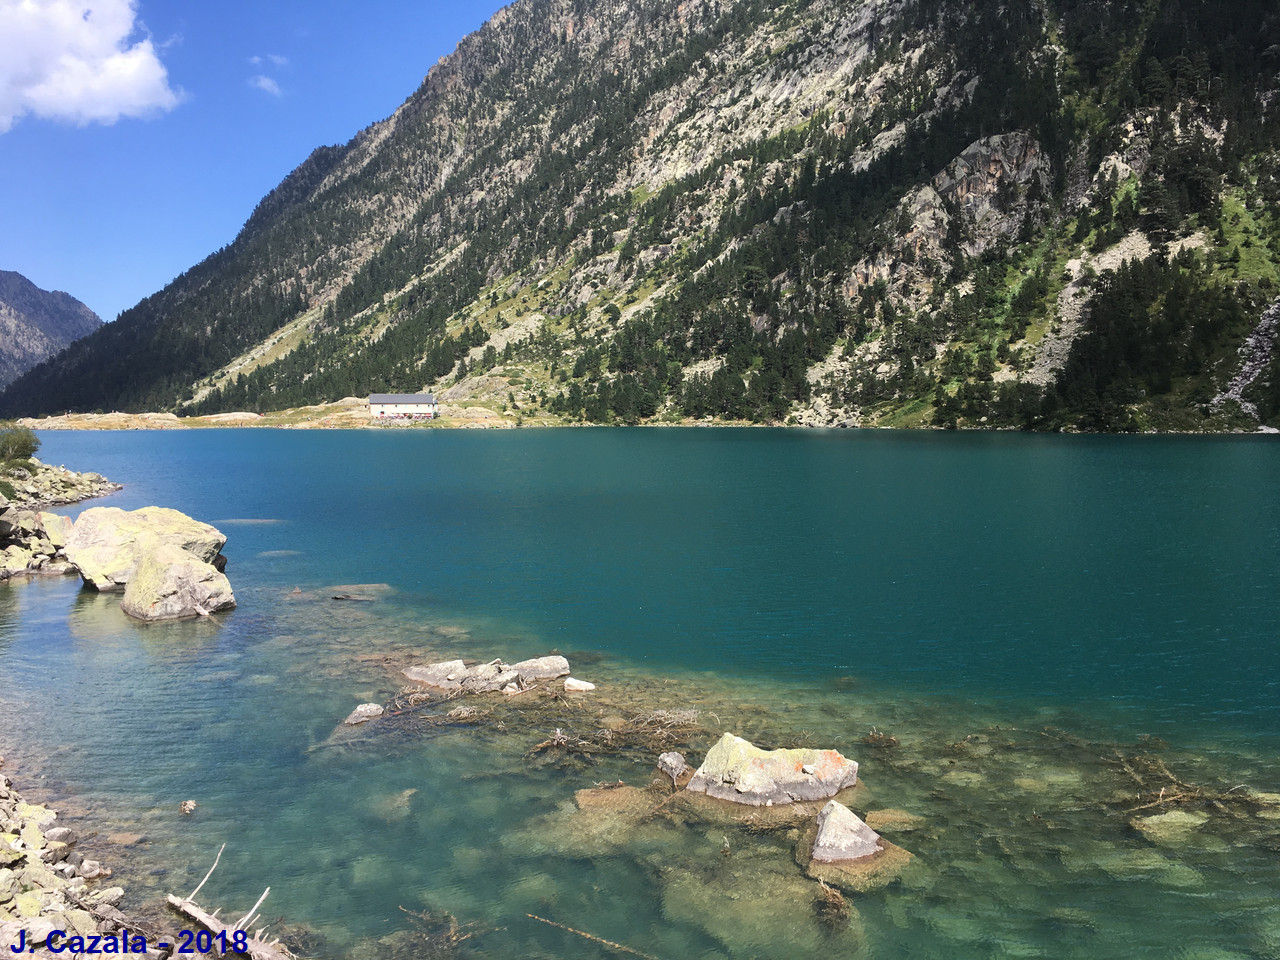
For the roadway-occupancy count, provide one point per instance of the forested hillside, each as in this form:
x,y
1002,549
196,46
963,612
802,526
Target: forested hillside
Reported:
x,y
1053,216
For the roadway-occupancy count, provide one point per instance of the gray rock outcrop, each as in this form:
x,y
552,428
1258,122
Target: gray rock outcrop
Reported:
x,y
737,770
35,324
106,543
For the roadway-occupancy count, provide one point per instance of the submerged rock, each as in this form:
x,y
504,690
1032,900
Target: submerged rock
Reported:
x,y
168,583
363,713
737,770
754,902
1173,828
892,819
106,543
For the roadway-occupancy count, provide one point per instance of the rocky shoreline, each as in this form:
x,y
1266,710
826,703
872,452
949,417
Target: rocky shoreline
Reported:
x,y
32,540
44,485
48,886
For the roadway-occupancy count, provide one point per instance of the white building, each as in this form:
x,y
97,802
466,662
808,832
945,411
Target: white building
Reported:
x,y
403,406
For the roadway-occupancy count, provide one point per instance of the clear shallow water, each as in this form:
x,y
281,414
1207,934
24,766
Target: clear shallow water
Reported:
x,y
795,586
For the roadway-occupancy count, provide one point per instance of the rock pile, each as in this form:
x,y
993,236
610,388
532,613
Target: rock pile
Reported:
x,y
45,881
46,486
33,542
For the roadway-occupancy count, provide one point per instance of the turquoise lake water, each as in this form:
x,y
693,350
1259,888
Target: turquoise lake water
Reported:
x,y
1047,626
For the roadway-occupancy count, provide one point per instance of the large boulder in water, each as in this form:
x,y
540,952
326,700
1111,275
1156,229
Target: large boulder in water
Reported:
x,y
737,770
168,583
106,543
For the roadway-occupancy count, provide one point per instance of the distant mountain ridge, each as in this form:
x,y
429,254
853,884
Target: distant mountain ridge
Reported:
x,y
1062,215
35,324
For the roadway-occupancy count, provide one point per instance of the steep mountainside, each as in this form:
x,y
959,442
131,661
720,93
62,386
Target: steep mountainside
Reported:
x,y
899,212
35,324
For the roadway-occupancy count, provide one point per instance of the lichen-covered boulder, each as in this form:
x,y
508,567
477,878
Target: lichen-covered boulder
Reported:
x,y
168,583
106,543
14,560
57,529
737,770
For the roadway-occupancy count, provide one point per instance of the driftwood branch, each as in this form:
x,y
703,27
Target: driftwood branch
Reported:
x,y
612,945
258,948
192,895
248,917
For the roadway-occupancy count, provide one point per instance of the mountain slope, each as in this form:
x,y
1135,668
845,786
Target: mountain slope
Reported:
x,y
871,211
35,324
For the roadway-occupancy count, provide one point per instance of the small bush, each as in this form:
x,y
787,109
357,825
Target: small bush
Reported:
x,y
18,443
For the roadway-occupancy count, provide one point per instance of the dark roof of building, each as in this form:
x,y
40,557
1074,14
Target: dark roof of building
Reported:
x,y
402,398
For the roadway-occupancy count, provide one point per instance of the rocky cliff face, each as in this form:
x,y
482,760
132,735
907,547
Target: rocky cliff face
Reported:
x,y
36,324
839,211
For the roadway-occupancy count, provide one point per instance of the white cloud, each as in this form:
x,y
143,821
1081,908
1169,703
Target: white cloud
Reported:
x,y
266,84
67,60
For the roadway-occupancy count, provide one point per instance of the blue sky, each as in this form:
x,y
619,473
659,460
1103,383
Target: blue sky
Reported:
x,y
136,136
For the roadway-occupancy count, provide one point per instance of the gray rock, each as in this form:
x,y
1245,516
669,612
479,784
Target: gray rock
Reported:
x,y
674,765
363,713
578,686
38,930
89,869
447,675
61,835
168,583
485,677
843,836
737,770
542,668
108,895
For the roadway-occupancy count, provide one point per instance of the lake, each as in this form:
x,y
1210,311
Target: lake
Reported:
x,y
1020,638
